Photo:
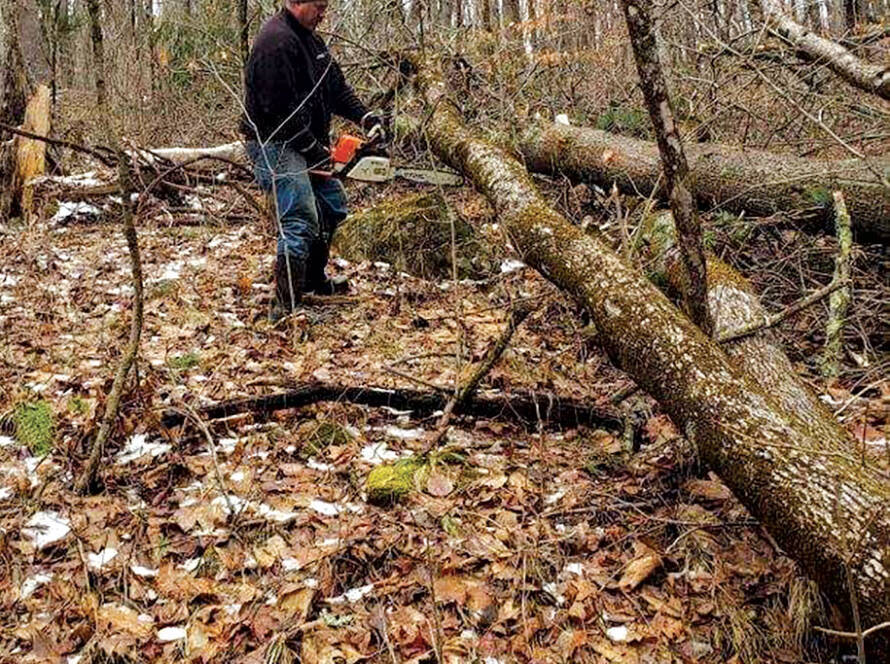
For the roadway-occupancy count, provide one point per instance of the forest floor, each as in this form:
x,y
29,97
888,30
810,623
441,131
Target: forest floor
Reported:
x,y
521,544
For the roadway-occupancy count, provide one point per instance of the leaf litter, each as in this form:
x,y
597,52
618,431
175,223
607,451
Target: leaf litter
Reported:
x,y
519,545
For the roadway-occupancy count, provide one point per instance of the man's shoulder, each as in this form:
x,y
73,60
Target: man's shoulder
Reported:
x,y
274,33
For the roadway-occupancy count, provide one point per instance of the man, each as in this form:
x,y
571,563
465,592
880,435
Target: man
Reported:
x,y
293,86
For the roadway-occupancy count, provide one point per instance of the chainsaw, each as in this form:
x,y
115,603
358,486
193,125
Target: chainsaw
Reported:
x,y
368,161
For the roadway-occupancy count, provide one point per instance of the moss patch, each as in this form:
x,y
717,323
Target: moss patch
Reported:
x,y
35,426
389,483
318,436
413,234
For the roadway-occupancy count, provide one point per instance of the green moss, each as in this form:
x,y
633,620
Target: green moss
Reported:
x,y
620,120
78,405
389,483
163,288
818,196
321,435
35,426
184,362
413,233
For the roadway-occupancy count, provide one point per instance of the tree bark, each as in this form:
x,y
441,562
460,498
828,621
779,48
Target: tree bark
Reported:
x,y
676,171
821,505
736,306
14,80
98,44
755,182
864,75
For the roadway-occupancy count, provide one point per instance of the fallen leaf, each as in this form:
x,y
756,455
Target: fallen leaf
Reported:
x,y
439,485
707,490
640,568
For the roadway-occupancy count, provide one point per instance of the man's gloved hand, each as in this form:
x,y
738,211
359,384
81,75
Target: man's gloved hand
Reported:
x,y
376,125
318,160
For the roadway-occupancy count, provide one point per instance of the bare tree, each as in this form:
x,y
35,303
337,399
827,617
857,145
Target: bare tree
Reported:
x,y
676,170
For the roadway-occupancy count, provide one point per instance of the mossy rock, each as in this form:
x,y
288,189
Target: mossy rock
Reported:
x,y
389,483
318,436
413,234
35,426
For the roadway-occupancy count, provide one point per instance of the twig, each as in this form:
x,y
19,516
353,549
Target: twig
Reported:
x,y
219,478
840,299
114,397
775,319
853,635
517,316
94,152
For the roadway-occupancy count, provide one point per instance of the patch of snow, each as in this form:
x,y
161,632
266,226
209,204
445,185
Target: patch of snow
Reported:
x,y
232,609
315,465
190,565
227,445
404,434
167,634
554,497
74,659
562,118
144,572
574,568
273,514
237,476
45,528
73,209
377,453
352,595
31,584
290,564
469,635
511,265
5,493
98,560
6,441
311,582
138,446
326,508
617,634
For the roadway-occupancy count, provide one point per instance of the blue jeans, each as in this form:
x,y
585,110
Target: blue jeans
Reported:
x,y
309,207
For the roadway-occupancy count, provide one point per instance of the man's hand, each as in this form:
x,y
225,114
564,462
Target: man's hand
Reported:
x,y
376,126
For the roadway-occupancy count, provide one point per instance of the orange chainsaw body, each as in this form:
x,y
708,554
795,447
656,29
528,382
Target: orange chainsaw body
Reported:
x,y
345,148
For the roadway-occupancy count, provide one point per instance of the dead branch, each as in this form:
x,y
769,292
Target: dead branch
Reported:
x,y
525,407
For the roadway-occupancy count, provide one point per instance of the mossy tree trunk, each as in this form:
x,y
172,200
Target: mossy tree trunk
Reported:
x,y
864,75
756,182
821,505
673,160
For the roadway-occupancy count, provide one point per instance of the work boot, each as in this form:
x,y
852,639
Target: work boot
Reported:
x,y
289,286
316,280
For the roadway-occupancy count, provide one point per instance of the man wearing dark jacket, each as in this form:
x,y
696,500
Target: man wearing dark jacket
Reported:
x,y
293,86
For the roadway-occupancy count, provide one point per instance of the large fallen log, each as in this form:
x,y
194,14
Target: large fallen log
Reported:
x,y
756,182
822,506
864,75
735,306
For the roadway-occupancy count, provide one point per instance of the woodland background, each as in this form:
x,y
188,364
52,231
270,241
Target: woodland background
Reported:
x,y
257,537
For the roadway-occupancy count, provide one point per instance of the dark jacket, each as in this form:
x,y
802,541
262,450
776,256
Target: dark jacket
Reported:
x,y
293,86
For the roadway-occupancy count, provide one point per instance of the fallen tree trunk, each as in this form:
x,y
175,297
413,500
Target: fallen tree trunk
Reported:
x,y
755,182
825,509
862,74
523,406
735,305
